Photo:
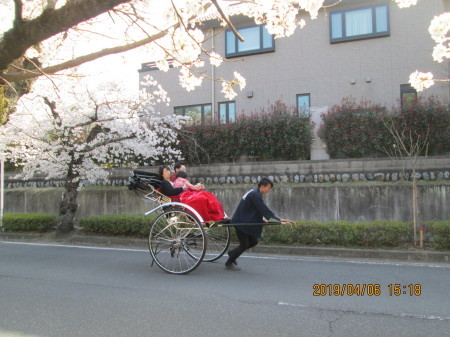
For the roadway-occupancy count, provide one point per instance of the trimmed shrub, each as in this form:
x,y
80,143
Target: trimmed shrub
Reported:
x,y
352,130
123,224
425,121
382,233
278,134
28,222
440,232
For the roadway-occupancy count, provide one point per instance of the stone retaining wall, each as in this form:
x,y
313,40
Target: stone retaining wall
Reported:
x,y
297,172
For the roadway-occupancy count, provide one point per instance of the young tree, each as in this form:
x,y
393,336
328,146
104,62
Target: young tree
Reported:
x,y
410,145
72,129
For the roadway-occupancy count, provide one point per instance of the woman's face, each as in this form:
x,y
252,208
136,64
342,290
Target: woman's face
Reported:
x,y
166,174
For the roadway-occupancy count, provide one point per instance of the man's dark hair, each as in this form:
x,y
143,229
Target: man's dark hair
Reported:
x,y
265,181
181,174
177,166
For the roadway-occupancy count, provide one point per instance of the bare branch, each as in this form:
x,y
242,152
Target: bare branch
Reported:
x,y
89,148
52,107
25,34
24,75
229,24
18,12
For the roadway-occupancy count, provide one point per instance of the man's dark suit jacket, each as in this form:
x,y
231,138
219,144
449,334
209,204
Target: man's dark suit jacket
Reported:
x,y
252,209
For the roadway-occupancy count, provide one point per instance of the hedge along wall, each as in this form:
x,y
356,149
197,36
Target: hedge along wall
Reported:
x,y
280,133
352,130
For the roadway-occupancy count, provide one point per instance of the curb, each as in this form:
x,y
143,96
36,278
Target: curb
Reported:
x,y
325,252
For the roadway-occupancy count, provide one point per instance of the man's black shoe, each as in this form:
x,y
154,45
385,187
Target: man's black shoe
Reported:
x,y
234,262
232,266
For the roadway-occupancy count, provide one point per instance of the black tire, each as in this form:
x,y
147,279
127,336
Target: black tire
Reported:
x,y
177,242
218,238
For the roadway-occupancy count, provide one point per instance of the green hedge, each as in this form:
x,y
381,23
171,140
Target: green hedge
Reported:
x,y
28,222
342,233
358,130
123,224
439,231
376,234
279,134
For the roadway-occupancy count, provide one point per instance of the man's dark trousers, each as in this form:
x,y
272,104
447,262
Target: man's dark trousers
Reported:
x,y
245,242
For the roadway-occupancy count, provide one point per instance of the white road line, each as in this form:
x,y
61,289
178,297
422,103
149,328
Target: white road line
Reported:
x,y
73,246
401,315
346,260
274,258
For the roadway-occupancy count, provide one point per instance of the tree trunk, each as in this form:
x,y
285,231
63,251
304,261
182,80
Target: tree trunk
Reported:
x,y
69,205
68,208
415,205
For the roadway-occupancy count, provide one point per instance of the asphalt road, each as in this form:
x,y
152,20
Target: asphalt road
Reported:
x,y
56,291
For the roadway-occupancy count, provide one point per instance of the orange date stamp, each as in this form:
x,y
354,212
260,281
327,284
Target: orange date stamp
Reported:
x,y
366,289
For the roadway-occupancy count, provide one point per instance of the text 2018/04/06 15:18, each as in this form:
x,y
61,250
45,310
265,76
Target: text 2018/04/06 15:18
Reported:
x,y
369,289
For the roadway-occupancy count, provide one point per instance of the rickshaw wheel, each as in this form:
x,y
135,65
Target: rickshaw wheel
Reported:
x,y
218,241
177,241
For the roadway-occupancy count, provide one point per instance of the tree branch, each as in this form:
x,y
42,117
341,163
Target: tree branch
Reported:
x,y
89,148
52,107
229,24
25,34
18,12
24,75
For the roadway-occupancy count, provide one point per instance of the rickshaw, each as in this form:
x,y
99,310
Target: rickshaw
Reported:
x,y
179,239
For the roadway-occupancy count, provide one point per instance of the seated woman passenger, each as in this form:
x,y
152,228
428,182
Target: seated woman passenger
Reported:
x,y
203,202
181,179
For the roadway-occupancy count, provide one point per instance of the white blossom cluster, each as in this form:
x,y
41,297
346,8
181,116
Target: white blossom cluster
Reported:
x,y
72,129
405,3
227,87
438,29
421,81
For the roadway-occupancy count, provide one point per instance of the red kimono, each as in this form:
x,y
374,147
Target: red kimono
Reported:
x,y
203,202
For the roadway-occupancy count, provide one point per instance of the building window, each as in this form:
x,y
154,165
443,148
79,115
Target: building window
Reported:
x,y
227,112
359,23
407,95
152,66
303,104
200,114
256,40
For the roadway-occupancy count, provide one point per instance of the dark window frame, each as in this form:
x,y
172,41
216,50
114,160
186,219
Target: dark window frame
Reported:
x,y
309,101
227,117
202,118
372,35
149,66
260,50
406,89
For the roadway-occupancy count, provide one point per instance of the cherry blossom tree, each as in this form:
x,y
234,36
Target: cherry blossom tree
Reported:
x,y
68,132
44,37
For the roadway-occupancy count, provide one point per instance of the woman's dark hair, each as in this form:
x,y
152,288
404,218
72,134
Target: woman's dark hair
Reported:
x,y
161,170
177,165
181,174
265,181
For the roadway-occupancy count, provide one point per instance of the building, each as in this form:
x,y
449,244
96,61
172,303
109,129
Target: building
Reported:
x,y
357,48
